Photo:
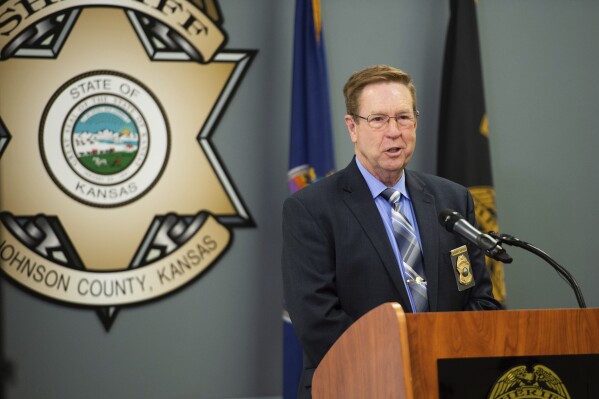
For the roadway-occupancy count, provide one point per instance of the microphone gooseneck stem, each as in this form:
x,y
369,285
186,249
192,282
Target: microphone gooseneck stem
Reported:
x,y
511,240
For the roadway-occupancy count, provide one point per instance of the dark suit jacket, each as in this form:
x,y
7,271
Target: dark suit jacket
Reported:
x,y
338,263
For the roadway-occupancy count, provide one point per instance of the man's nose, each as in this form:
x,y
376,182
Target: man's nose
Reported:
x,y
393,127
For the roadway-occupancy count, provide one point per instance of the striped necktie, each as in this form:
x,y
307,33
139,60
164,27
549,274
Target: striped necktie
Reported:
x,y
409,248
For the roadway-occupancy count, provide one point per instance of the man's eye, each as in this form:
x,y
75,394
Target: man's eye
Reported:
x,y
377,118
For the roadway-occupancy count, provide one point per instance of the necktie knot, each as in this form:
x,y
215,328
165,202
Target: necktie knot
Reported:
x,y
391,195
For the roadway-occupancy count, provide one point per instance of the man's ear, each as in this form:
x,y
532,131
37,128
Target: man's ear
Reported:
x,y
351,128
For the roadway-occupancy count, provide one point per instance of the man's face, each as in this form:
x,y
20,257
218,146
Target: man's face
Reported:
x,y
385,151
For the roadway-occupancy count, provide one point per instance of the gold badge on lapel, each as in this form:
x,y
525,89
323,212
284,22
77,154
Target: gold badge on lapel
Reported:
x,y
462,268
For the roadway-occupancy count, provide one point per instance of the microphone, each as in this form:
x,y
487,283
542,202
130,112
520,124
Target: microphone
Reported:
x,y
455,223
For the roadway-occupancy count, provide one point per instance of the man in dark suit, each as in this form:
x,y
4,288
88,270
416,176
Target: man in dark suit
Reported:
x,y
341,255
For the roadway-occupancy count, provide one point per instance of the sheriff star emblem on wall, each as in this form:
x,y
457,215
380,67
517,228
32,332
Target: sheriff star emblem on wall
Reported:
x,y
111,192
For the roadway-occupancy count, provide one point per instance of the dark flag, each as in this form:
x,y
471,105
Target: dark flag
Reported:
x,y
463,153
311,154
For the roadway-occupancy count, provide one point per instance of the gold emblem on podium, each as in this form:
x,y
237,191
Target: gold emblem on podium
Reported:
x,y
111,191
540,382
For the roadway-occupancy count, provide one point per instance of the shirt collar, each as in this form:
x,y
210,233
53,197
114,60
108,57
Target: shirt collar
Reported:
x,y
376,186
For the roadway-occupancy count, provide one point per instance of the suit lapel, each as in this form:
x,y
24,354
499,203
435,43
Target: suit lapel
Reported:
x,y
428,226
357,196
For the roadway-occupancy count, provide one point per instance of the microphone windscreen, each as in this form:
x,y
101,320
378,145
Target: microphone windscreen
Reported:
x,y
448,218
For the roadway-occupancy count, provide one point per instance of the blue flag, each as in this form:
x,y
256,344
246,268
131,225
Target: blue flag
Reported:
x,y
311,154
311,143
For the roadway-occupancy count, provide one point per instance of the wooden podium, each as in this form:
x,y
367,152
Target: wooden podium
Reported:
x,y
390,354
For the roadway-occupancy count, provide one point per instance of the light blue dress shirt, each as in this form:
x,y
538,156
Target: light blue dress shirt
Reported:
x,y
405,204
